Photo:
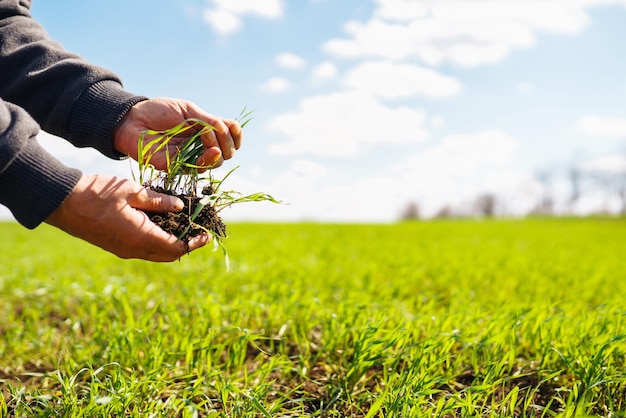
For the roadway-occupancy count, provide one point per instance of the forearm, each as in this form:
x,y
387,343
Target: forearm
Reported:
x,y
65,94
32,183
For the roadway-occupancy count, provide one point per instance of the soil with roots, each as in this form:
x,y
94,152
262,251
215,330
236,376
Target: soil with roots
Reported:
x,y
176,223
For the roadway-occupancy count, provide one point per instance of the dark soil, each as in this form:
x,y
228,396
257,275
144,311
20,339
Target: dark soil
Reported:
x,y
177,222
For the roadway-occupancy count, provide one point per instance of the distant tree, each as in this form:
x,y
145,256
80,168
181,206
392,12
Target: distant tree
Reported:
x,y
545,207
575,178
410,212
619,182
445,212
546,203
485,205
611,182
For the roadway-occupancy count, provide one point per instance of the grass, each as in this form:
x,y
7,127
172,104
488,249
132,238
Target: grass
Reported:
x,y
451,318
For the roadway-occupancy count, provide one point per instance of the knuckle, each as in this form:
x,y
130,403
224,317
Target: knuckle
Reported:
x,y
156,201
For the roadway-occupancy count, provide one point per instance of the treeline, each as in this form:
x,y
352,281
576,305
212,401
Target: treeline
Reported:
x,y
570,191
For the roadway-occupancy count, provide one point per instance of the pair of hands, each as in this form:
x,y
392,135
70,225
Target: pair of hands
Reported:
x,y
108,211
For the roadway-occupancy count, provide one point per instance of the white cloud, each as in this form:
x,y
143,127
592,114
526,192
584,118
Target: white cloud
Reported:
x,y
462,155
225,16
275,85
454,170
464,32
301,187
88,160
309,196
460,167
437,121
62,149
309,169
290,61
222,21
264,8
299,180
340,124
402,9
359,201
374,39
324,71
392,80
607,164
600,126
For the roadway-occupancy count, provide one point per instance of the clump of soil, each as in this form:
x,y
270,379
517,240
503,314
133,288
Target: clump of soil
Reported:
x,y
177,222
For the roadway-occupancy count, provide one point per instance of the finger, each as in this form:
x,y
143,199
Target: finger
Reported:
x,y
164,255
151,201
227,145
155,244
133,235
220,137
174,248
165,247
210,158
235,131
198,241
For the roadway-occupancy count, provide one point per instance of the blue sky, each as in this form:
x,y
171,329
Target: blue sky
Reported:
x,y
364,105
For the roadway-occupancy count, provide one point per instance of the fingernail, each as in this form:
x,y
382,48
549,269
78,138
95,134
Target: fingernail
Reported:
x,y
176,204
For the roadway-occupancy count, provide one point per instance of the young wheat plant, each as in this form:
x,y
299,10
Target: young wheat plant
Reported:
x,y
182,176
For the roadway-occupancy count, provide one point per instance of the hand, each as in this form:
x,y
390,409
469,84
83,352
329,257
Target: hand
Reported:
x,y
162,113
108,212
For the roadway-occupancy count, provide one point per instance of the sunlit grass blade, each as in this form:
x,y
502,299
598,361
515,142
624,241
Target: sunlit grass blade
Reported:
x,y
244,117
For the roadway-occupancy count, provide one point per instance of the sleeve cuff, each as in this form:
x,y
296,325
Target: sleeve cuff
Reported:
x,y
96,113
39,183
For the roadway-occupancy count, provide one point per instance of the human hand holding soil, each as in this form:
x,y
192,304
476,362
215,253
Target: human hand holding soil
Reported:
x,y
109,213
162,113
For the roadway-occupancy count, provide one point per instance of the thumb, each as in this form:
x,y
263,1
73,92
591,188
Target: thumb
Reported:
x,y
151,201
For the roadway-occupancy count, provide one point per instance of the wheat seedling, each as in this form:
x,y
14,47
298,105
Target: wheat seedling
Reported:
x,y
182,175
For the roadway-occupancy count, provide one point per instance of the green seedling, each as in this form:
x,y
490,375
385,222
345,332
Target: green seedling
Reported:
x,y
185,178
182,173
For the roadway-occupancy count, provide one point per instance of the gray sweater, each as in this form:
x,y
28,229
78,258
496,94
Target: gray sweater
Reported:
x,y
43,85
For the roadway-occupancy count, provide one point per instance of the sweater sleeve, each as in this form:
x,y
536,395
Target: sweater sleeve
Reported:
x,y
43,85
32,182
65,94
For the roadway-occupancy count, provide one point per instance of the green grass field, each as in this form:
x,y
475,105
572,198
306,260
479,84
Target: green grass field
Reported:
x,y
448,318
